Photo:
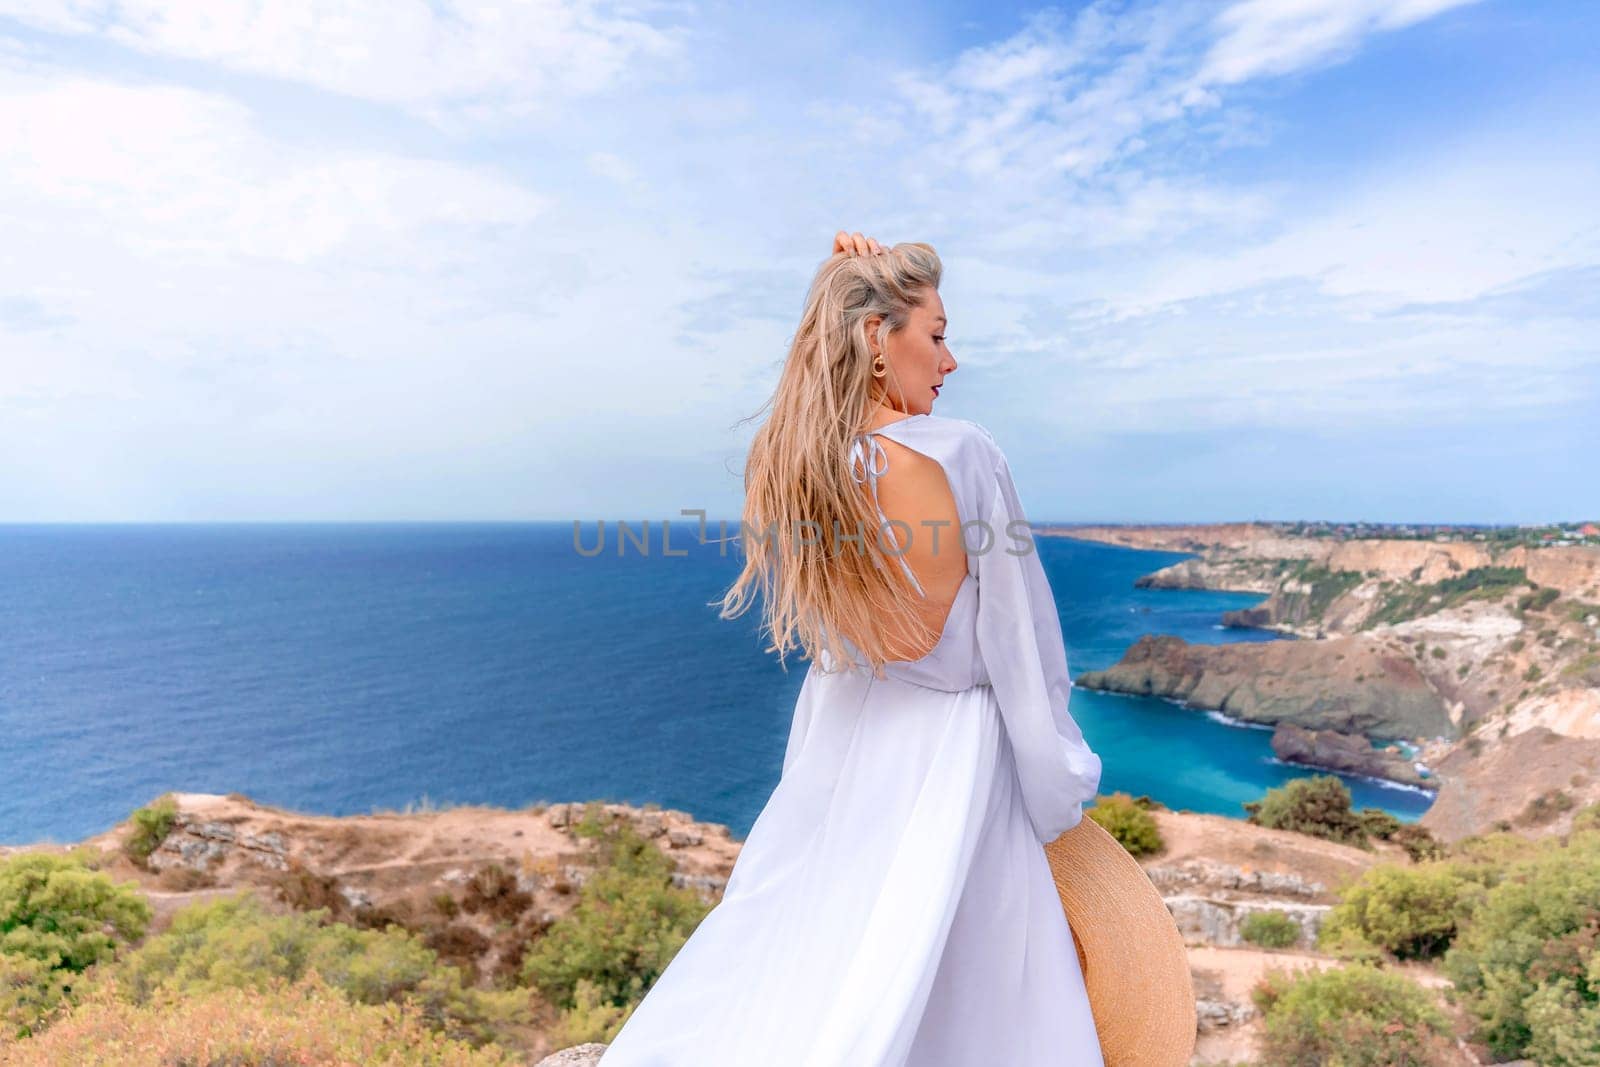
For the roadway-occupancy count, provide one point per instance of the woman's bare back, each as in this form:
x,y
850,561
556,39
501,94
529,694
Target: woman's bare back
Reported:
x,y
915,495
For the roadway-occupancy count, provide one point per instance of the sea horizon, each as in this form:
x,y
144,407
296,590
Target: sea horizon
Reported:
x,y
342,667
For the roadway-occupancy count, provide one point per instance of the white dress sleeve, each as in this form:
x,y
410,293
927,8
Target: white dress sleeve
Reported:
x,y
1019,636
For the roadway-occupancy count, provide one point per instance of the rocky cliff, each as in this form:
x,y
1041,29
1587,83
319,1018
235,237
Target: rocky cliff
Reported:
x,y
1350,685
1430,641
1347,753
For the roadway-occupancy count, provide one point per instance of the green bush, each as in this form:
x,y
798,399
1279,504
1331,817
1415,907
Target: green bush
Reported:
x,y
1418,841
1410,912
1125,819
630,920
57,919
151,825
1378,823
1318,805
1539,600
1527,964
1546,807
1269,929
592,1017
1399,601
235,943
1564,1020
1350,1016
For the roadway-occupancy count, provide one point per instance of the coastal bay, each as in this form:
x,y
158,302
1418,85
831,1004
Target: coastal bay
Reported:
x,y
1457,649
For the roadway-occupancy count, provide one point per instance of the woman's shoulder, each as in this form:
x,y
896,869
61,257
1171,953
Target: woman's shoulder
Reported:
x,y
963,439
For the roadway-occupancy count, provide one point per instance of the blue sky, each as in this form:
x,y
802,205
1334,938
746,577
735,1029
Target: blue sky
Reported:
x,y
1268,259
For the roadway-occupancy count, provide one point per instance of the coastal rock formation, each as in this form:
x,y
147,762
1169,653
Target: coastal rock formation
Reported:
x,y
1234,576
1346,753
1355,685
1430,640
1238,537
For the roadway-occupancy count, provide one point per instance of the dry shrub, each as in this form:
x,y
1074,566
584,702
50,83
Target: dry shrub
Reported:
x,y
494,889
303,1022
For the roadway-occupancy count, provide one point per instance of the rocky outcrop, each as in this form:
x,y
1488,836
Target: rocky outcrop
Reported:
x,y
1217,922
1234,576
576,1056
1347,754
1355,685
1531,782
1210,900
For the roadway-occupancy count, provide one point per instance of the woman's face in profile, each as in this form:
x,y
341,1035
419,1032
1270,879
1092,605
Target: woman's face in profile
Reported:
x,y
919,360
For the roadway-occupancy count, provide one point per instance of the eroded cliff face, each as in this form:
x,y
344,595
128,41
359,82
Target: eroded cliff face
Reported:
x,y
1424,640
1354,685
1573,569
1528,781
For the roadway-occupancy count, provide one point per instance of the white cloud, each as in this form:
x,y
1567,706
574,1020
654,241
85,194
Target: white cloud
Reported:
x,y
1267,37
449,61
176,172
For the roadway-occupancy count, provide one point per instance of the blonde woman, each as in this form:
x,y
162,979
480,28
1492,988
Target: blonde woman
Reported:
x,y
892,904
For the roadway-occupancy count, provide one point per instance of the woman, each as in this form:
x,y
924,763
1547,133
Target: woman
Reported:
x,y
892,904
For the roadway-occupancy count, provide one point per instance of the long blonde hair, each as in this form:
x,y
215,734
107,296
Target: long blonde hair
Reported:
x,y
815,585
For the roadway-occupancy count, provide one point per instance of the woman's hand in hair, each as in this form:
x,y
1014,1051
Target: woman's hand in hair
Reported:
x,y
853,244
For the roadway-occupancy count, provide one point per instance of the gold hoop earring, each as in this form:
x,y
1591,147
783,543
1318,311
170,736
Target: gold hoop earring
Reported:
x,y
879,367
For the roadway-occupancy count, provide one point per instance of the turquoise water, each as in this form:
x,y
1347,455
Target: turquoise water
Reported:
x,y
337,668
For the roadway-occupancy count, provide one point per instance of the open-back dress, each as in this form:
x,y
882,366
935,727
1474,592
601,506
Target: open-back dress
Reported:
x,y
892,905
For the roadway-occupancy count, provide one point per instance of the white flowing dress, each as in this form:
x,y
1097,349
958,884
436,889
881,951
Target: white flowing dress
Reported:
x,y
892,905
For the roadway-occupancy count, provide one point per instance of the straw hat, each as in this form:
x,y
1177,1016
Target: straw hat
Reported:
x,y
1133,958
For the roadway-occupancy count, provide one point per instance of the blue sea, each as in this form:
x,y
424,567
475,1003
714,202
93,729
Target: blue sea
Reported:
x,y
343,668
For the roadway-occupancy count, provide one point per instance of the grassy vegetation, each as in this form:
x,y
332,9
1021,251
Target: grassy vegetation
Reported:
x,y
236,943
1325,586
234,981
1513,922
598,961
1319,806
1270,929
1401,601
1129,821
58,919
1353,1016
1579,611
1407,912
1585,669
151,825
304,1022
